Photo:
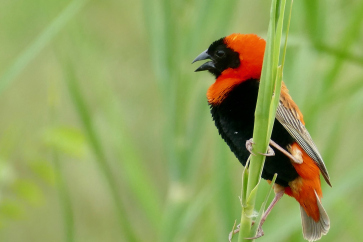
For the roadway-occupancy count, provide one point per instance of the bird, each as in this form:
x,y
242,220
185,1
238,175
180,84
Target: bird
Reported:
x,y
236,63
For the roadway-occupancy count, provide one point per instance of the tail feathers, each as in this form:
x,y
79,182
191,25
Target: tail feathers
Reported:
x,y
313,230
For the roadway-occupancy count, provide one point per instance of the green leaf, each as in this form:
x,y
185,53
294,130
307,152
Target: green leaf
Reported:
x,y
11,209
66,140
252,196
262,209
43,170
28,191
244,184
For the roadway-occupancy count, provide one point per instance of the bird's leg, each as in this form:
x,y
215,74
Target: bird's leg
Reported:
x,y
272,143
270,151
249,143
279,192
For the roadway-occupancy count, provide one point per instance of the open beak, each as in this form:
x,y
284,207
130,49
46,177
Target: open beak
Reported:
x,y
206,66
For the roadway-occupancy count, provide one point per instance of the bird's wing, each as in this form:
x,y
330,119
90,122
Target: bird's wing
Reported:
x,y
291,119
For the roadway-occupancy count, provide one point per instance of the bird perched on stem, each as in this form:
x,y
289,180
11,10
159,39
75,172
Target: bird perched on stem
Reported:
x,y
236,62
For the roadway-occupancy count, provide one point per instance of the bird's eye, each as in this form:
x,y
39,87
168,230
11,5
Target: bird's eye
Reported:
x,y
220,53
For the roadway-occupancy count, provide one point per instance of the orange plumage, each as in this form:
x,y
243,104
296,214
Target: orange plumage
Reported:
x,y
302,189
251,49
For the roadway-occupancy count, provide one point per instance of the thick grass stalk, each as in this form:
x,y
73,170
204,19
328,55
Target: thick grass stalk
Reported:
x,y
268,96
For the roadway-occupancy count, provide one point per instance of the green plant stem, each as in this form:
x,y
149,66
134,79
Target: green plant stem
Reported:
x,y
270,82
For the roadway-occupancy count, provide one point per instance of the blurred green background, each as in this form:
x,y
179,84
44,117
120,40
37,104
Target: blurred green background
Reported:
x,y
105,131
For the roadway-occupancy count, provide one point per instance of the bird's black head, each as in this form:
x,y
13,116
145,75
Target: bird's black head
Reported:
x,y
221,58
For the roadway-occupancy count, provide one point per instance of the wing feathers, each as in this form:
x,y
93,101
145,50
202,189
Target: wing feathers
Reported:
x,y
290,117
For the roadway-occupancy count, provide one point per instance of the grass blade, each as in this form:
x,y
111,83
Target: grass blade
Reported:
x,y
40,42
86,119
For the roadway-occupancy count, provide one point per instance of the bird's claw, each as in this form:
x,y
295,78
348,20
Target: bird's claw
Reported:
x,y
233,232
259,234
270,152
249,143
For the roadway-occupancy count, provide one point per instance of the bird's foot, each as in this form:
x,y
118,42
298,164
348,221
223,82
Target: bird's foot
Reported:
x,y
270,152
260,232
249,143
233,232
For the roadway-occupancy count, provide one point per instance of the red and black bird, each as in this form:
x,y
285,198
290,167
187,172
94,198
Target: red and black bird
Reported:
x,y
236,63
